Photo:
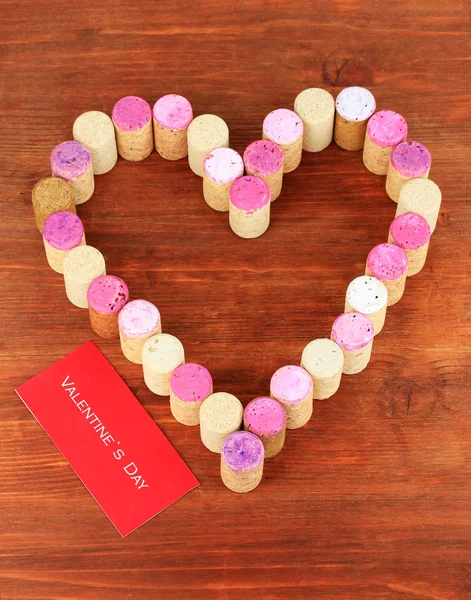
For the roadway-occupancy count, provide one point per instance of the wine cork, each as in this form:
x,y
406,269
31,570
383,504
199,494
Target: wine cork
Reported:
x,y
388,263
354,333
316,108
72,162
385,130
368,296
95,131
353,107
220,415
106,296
242,461
138,320
407,161
62,231
421,196
171,115
323,360
266,418
132,120
161,355
205,133
81,266
411,232
221,167
292,387
51,195
265,159
285,128
190,385
249,207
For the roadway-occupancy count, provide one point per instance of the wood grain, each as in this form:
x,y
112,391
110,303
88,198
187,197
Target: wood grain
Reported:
x,y
372,498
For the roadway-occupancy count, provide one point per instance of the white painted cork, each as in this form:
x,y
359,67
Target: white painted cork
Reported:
x,y
421,196
316,108
323,360
81,266
369,296
205,133
354,106
220,415
95,130
161,354
221,167
138,320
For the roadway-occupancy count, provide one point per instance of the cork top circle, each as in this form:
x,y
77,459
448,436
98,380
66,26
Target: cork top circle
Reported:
x,y
84,262
387,128
264,416
314,105
221,412
242,451
63,230
93,128
420,192
387,262
131,113
70,160
291,384
223,165
367,294
164,351
322,358
355,103
191,382
283,126
263,158
411,159
107,294
352,331
249,194
173,112
139,318
410,231
208,130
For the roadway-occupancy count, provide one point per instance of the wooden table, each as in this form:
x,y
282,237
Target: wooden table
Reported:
x,y
371,499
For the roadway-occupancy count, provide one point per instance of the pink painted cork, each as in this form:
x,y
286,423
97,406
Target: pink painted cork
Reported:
x,y
385,130
190,385
411,232
62,231
249,207
106,296
292,387
138,320
408,161
264,159
266,418
221,167
242,458
353,107
132,118
285,128
353,332
172,115
388,263
72,162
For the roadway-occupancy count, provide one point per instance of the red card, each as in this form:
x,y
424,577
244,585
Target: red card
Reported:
x,y
107,437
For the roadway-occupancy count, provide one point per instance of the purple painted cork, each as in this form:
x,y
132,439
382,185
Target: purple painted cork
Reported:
x,y
411,159
410,231
70,160
173,112
107,294
352,331
387,128
266,418
63,230
223,165
249,194
263,158
242,457
131,113
191,382
387,262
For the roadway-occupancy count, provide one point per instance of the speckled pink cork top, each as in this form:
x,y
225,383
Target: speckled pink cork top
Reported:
x,y
264,416
263,158
387,128
223,165
291,384
191,382
249,193
131,113
411,159
107,294
352,331
283,126
355,103
63,230
138,318
410,231
243,451
173,112
387,262
70,160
